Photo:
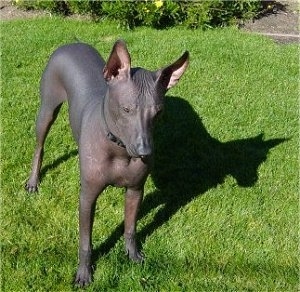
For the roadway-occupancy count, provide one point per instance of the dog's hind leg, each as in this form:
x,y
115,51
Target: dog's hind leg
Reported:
x,y
49,110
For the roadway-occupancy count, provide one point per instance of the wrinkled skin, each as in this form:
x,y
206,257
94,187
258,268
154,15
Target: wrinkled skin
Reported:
x,y
112,109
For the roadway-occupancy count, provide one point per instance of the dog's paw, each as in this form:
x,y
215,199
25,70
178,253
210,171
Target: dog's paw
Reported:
x,y
135,256
138,257
31,187
131,249
83,277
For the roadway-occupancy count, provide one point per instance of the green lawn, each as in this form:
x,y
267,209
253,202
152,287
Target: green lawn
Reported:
x,y
221,207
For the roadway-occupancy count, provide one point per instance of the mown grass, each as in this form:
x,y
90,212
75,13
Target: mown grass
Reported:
x,y
221,207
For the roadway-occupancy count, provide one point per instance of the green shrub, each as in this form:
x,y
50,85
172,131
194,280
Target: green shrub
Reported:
x,y
156,13
159,14
84,7
199,14
122,11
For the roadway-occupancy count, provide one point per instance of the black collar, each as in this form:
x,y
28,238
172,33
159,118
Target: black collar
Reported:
x,y
108,133
115,139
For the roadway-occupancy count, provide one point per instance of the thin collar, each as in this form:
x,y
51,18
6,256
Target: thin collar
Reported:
x,y
108,133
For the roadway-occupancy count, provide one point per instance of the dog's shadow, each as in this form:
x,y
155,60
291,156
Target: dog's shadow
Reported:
x,y
57,162
188,162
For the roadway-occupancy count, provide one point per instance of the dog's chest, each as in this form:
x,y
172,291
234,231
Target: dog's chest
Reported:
x,y
130,173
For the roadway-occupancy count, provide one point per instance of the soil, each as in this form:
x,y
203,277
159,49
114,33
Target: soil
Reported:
x,y
280,24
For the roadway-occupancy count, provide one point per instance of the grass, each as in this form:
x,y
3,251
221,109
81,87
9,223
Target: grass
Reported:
x,y
221,207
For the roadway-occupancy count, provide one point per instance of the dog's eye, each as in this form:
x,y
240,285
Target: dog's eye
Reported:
x,y
126,109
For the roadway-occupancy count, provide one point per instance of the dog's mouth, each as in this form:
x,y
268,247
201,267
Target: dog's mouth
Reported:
x,y
134,154
131,152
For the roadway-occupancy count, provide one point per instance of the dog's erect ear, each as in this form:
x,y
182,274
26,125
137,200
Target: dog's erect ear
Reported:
x,y
170,75
118,64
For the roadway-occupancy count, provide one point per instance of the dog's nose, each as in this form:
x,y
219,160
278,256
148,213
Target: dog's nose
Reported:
x,y
144,154
143,148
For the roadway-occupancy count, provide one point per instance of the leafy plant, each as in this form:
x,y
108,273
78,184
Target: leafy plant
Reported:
x,y
159,14
122,11
156,13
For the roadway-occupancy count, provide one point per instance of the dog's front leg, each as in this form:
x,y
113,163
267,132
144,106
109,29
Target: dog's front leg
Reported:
x,y
88,197
133,200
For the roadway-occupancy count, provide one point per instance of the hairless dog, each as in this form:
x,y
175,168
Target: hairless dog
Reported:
x,y
112,109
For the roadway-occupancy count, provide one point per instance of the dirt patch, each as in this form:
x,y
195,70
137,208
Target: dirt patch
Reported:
x,y
8,12
282,25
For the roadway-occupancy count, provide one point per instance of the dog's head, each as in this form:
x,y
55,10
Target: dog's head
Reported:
x,y
135,98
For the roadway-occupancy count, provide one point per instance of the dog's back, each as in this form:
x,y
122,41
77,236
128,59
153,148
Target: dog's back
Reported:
x,y
73,73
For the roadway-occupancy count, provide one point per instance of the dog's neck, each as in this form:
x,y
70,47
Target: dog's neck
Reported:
x,y
108,133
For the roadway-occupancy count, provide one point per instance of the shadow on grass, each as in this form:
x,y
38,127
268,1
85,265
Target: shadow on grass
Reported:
x,y
57,162
188,162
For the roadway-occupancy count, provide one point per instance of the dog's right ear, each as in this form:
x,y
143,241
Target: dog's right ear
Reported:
x,y
170,75
119,63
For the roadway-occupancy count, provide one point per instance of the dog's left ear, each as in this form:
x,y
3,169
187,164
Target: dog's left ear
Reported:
x,y
118,64
170,75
